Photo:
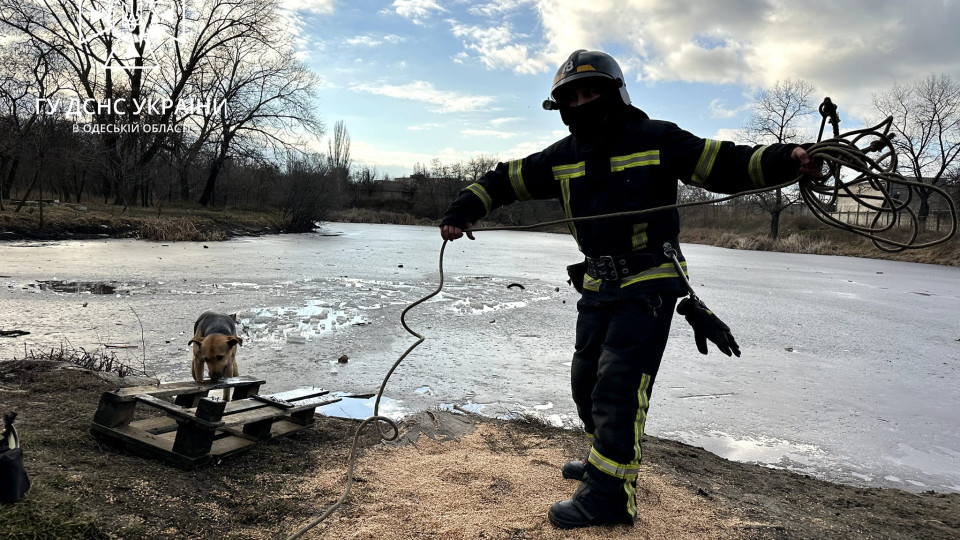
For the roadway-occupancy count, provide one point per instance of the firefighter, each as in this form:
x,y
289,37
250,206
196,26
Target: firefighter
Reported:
x,y
617,159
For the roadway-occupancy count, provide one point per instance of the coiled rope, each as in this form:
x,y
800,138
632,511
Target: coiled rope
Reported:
x,y
819,194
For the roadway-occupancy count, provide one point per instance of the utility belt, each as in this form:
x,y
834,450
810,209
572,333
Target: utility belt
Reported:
x,y
617,267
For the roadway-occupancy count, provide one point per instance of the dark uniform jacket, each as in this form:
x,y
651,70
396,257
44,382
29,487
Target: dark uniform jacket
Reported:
x,y
635,167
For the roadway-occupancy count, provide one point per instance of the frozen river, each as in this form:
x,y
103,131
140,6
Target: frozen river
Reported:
x,y
849,369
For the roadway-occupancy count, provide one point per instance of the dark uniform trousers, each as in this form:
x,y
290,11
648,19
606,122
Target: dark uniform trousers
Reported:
x,y
621,338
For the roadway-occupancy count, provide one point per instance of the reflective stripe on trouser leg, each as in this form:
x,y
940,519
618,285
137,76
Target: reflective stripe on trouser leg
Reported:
x,y
633,344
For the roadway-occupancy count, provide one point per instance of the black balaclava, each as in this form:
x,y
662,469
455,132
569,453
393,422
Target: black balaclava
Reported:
x,y
591,121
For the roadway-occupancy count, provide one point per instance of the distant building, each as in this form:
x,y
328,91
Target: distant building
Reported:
x,y
850,210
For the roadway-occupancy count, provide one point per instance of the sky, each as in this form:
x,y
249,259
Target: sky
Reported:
x,y
415,80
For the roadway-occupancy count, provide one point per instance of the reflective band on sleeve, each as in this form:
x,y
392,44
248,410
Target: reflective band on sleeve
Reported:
x,y
664,271
516,180
566,172
619,470
756,171
619,163
481,192
711,149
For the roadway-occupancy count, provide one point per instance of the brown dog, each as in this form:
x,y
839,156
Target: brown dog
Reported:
x,y
215,344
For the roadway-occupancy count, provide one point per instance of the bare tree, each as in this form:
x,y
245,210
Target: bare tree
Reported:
x,y
479,166
339,160
776,118
269,94
307,188
30,73
147,51
926,120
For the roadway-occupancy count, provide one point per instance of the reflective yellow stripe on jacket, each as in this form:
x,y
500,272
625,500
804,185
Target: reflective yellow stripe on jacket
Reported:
x,y
563,174
481,192
755,169
514,169
566,172
640,159
711,149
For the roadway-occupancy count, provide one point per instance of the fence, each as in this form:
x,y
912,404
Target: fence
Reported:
x,y
935,222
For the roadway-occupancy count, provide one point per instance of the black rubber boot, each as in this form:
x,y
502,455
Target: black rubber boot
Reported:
x,y
573,469
572,515
597,501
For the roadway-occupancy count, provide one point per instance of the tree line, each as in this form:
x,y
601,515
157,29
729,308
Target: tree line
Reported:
x,y
146,102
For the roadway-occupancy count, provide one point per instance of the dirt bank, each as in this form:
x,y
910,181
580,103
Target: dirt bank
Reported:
x,y
452,476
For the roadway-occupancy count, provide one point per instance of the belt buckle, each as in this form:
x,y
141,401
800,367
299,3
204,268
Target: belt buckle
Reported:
x,y
609,268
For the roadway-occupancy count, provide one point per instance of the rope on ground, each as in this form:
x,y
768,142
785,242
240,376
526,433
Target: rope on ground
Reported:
x,y
819,194
380,420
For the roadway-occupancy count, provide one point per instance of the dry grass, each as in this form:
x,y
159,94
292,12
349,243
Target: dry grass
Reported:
x,y
824,242
180,229
92,220
366,215
98,360
806,234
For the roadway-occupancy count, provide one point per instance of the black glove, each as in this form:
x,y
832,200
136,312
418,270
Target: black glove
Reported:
x,y
706,326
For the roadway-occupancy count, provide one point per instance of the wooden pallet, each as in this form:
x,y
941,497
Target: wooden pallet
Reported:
x,y
197,429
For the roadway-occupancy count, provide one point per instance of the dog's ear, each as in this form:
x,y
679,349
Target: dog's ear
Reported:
x,y
234,340
195,340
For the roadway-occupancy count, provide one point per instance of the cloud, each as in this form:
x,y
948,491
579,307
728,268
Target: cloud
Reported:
x,y
313,6
499,8
393,161
719,111
526,148
489,133
507,120
849,49
424,127
497,47
725,134
417,10
368,41
443,101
